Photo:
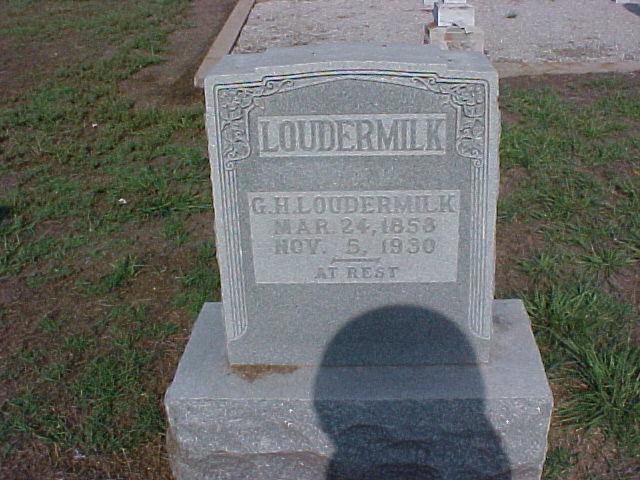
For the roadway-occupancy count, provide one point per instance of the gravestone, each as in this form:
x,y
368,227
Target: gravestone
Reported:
x,y
355,194
326,210
448,13
454,27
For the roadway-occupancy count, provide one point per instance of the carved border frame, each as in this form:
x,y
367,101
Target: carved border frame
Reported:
x,y
232,103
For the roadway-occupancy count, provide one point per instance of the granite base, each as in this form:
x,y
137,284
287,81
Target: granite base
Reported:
x,y
455,38
471,422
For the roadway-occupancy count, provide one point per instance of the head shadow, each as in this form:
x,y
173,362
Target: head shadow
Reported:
x,y
391,412
633,8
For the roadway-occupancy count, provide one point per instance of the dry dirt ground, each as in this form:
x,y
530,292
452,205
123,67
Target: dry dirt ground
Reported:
x,y
172,82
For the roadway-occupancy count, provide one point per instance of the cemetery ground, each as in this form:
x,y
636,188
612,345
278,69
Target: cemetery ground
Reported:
x,y
107,252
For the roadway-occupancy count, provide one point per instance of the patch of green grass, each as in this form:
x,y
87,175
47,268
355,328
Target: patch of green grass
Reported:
x,y
19,250
31,415
56,272
557,464
556,142
543,268
606,261
582,192
116,410
17,253
78,343
55,372
620,102
581,188
175,231
113,408
107,383
584,335
606,388
139,325
154,196
77,145
201,282
49,325
123,270
578,312
80,144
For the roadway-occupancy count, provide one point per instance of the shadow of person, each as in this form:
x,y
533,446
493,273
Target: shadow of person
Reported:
x,y
400,420
633,8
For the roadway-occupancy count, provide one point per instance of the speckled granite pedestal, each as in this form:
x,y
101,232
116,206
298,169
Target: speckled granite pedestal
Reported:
x,y
470,422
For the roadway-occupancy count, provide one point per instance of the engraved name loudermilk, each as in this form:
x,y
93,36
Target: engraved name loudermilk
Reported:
x,y
355,237
326,135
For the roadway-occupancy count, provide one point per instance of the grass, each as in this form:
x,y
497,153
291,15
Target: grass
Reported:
x,y
124,270
558,463
603,263
592,357
576,166
100,193
606,388
200,281
112,409
104,214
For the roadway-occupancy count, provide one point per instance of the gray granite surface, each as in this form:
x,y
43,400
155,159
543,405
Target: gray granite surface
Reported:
x,y
432,422
355,182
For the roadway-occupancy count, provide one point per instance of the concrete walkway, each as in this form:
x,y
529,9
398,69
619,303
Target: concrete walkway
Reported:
x,y
522,36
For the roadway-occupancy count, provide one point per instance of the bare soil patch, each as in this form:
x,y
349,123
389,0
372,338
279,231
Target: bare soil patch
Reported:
x,y
572,87
23,64
171,82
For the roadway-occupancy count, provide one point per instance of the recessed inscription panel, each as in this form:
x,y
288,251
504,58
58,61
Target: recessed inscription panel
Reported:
x,y
355,237
361,135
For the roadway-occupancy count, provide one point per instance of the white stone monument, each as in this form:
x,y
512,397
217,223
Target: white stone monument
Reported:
x,y
449,13
454,27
